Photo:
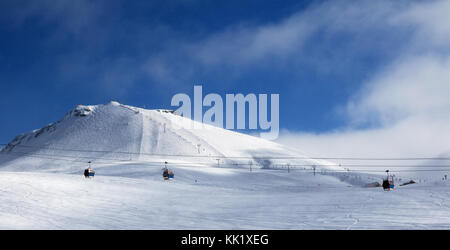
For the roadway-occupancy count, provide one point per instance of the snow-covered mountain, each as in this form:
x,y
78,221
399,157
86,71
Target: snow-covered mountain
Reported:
x,y
115,132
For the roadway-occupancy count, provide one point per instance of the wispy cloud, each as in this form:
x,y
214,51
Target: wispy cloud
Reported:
x,y
308,36
404,109
70,16
414,86
324,37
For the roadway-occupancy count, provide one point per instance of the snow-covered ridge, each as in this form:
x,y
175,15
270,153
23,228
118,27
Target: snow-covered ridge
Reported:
x,y
117,132
79,111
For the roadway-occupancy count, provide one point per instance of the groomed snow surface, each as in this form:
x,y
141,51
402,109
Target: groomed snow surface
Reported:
x,y
42,187
220,199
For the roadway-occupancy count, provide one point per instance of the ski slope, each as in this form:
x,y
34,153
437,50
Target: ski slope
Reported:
x,y
225,199
223,180
115,132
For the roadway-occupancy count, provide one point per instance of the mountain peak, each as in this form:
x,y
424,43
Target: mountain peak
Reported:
x,y
82,110
117,132
114,103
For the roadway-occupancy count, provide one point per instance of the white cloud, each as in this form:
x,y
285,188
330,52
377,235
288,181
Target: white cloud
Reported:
x,y
364,26
404,110
182,57
246,45
432,19
414,86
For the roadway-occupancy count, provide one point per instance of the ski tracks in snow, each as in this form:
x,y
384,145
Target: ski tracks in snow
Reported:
x,y
440,200
192,137
351,215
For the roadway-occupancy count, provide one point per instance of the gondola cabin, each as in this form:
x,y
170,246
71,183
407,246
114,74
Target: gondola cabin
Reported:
x,y
88,173
168,174
388,183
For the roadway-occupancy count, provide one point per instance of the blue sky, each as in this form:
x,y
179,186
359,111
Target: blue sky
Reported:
x,y
324,58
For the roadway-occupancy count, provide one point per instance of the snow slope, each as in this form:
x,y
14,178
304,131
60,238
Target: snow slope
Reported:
x,y
116,132
42,187
264,199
